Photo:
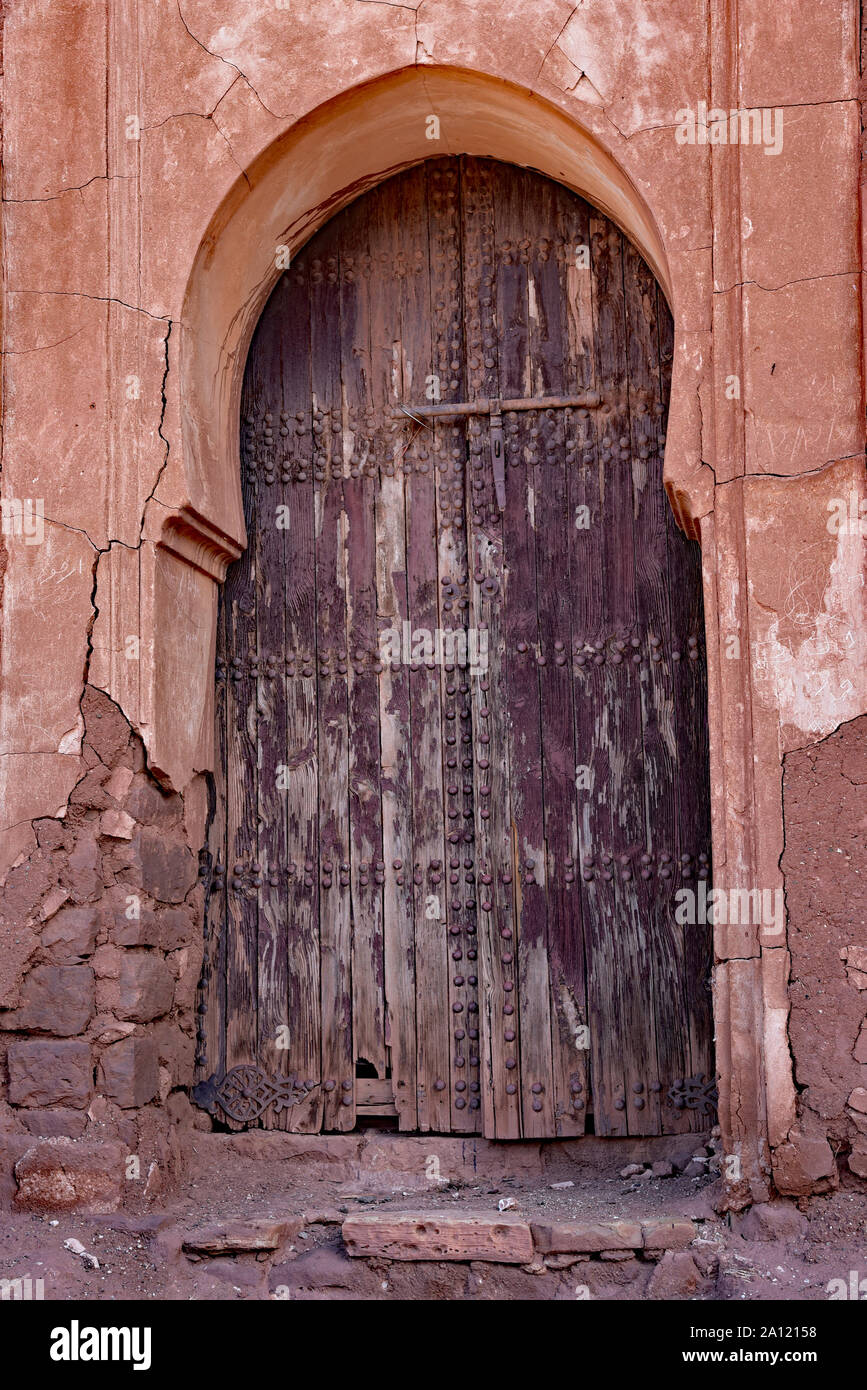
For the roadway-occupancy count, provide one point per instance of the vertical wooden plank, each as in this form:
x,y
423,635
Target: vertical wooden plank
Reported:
x,y
299,760
660,860
523,655
242,786
266,540
335,928
435,323
394,706
428,853
494,860
586,601
690,681
369,304
589,590
636,1043
549,351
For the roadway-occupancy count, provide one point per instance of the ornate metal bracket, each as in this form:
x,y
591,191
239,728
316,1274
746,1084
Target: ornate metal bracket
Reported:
x,y
246,1092
695,1093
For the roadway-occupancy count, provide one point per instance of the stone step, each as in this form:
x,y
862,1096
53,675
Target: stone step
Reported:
x,y
432,1235
504,1238
585,1237
592,1237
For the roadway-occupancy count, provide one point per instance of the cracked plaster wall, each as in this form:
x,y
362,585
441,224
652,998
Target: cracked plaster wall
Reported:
x,y
825,864
134,132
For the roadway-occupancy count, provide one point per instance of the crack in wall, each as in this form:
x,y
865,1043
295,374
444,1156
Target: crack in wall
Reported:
x,y
229,64
62,193
99,551
164,464
96,299
556,40
799,280
43,347
789,477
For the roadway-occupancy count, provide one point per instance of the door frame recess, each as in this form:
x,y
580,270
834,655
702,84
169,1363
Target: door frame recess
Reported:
x,y
308,173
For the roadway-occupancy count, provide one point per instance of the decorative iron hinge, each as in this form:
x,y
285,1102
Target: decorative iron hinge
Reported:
x,y
245,1092
494,409
695,1093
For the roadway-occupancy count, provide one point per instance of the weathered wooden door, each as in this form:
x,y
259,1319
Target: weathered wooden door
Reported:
x,y
462,747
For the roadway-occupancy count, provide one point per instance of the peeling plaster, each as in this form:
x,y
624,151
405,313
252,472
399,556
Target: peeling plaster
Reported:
x,y
71,742
796,675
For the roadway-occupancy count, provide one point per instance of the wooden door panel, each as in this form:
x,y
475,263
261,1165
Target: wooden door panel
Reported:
x,y
442,453
241,785
492,782
582,590
295,750
271,725
635,1040
519,597
454,904
549,357
656,696
328,317
361,304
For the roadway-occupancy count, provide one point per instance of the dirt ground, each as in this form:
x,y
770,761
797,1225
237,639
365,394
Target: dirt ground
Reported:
x,y
781,1254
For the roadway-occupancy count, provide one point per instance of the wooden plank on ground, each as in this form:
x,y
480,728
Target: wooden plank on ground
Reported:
x,y
371,1091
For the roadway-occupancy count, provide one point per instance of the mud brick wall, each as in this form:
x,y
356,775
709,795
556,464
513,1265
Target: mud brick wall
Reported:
x,y
134,270
825,865
101,948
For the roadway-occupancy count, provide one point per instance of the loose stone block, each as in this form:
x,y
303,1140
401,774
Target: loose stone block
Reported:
x,y
500,1238
667,1233
253,1233
586,1236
